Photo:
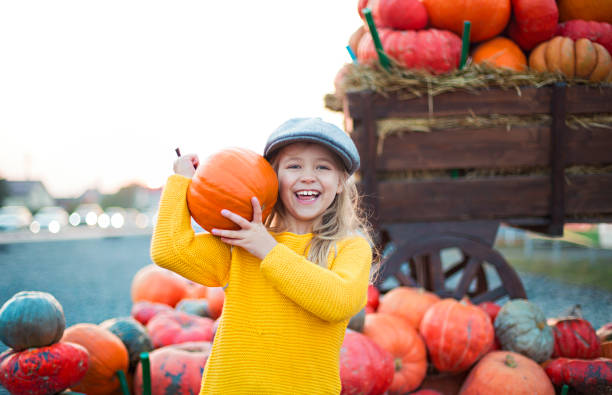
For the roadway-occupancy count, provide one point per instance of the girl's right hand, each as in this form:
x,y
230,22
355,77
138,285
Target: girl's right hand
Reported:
x,y
186,165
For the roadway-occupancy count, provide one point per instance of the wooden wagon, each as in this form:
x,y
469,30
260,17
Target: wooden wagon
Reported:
x,y
450,189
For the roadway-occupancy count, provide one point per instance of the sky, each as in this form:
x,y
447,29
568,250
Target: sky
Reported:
x,y
98,94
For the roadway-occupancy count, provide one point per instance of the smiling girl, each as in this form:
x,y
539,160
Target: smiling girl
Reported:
x,y
293,283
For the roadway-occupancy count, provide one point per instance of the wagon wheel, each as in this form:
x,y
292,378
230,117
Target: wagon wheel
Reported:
x,y
420,263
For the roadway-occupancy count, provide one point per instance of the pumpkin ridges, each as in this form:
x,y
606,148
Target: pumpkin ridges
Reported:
x,y
537,59
586,58
603,66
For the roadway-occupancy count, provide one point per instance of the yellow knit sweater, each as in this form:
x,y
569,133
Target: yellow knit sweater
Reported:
x,y
284,317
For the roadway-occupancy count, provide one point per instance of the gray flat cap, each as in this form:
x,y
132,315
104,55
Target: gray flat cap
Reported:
x,y
314,130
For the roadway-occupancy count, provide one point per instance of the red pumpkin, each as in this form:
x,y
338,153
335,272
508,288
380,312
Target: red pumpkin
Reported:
x,y
374,6
175,369
216,298
359,365
228,180
575,338
587,376
408,303
173,327
488,17
43,370
195,290
457,334
156,284
107,355
395,335
373,299
598,32
426,392
506,372
403,14
432,50
533,22
144,311
491,308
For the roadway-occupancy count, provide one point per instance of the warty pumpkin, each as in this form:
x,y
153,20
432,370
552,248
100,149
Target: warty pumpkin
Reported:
x,y
156,284
597,32
31,319
502,53
587,376
575,59
408,303
403,14
395,335
457,334
488,17
575,338
433,50
228,180
506,372
107,356
521,327
175,369
143,311
173,327
588,10
43,370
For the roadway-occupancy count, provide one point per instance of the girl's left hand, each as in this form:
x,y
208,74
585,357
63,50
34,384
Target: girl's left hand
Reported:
x,y
253,236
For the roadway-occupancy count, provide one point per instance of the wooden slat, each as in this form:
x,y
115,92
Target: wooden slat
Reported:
x,y
494,101
591,146
589,194
463,148
487,198
589,99
557,160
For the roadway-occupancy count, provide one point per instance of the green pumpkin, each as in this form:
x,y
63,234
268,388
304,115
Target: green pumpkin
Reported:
x,y
521,327
134,336
31,319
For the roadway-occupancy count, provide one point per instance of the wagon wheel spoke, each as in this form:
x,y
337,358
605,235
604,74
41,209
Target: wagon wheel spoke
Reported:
x,y
420,264
482,285
456,268
405,279
467,277
436,276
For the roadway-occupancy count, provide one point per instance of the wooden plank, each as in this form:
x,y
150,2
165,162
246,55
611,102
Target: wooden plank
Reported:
x,y
489,101
461,199
589,194
591,146
466,148
584,99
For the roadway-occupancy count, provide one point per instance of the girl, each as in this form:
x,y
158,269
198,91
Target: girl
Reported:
x,y
294,282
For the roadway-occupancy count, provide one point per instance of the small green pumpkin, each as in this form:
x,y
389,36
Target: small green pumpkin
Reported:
x,y
521,327
134,336
31,319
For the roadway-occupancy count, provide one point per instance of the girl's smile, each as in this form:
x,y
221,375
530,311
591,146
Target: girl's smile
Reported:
x,y
309,178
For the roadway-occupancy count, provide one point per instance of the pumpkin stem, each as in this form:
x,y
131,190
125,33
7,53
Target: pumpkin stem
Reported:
x,y
398,364
146,373
510,362
541,325
123,381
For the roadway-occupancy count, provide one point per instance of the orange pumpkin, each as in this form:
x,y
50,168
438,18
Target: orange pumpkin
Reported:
x,y
500,52
588,10
395,335
408,303
574,59
228,180
215,298
456,333
488,17
507,372
107,356
156,284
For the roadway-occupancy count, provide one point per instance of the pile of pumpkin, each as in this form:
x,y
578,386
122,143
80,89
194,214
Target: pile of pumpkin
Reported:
x,y
571,37
445,346
170,329
405,340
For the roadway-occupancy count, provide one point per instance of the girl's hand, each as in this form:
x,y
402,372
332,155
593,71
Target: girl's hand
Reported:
x,y
186,165
253,236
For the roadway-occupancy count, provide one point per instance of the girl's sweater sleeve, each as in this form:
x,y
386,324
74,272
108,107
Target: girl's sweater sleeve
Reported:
x,y
202,258
333,294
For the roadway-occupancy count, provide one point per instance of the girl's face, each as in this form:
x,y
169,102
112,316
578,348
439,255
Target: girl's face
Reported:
x,y
309,176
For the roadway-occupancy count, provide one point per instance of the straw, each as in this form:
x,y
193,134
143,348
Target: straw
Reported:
x,y
465,44
123,381
146,373
382,56
350,51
